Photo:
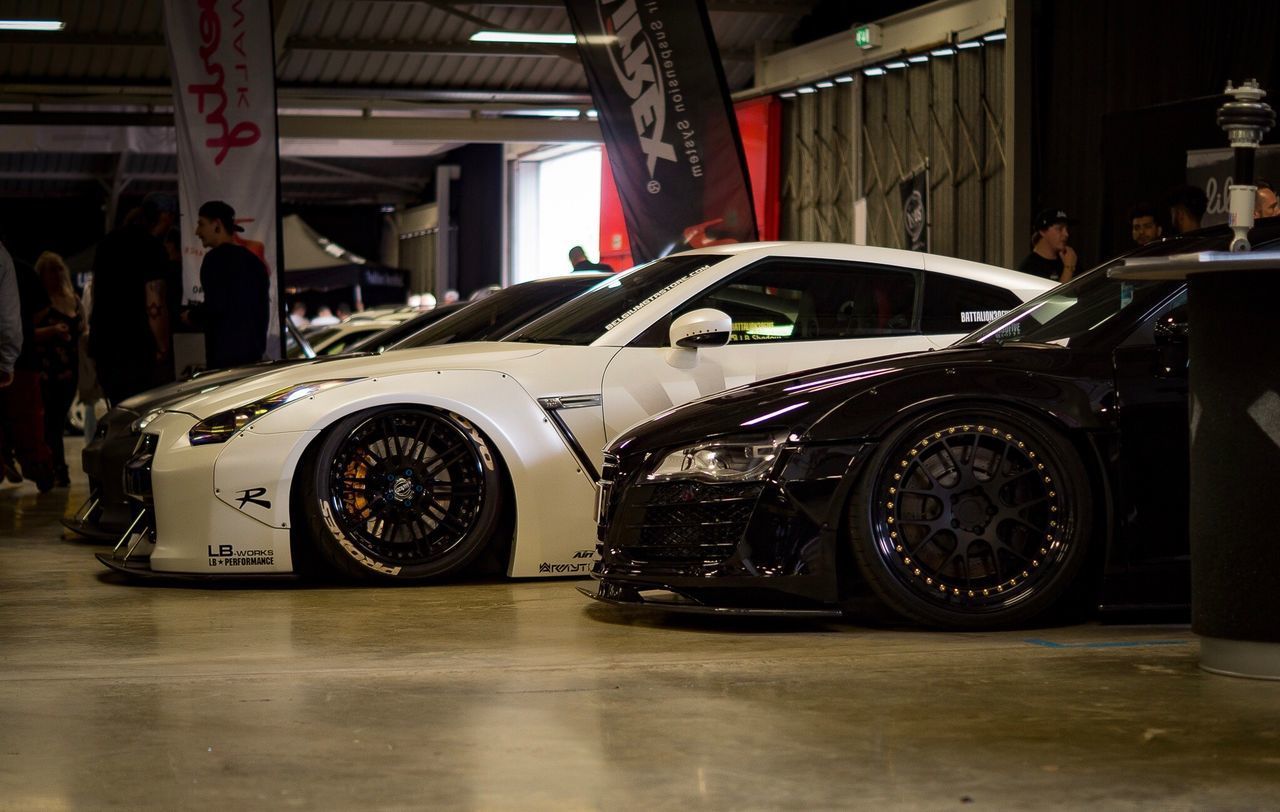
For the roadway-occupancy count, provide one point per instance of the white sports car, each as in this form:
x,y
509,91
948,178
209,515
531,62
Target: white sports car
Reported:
x,y
409,465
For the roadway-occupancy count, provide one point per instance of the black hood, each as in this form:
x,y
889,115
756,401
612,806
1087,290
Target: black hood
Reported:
x,y
857,400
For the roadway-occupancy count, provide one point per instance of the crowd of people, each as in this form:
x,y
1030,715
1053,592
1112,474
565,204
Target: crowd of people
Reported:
x,y
1052,256
115,339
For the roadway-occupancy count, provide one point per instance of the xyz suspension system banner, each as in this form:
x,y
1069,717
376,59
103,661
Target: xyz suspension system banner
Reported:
x,y
223,65
668,122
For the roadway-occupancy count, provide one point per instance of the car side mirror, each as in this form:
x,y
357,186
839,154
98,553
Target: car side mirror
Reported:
x,y
704,327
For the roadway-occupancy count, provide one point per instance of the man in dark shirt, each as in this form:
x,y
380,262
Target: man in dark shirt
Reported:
x,y
237,297
129,325
578,258
1050,255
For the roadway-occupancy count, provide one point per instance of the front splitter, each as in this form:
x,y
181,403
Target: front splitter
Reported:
x,y
140,569
672,601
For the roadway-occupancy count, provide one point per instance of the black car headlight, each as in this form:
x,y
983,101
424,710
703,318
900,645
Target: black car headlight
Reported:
x,y
731,459
141,423
220,427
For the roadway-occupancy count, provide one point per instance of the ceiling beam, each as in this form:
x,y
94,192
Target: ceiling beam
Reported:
x,y
291,44
742,6
113,90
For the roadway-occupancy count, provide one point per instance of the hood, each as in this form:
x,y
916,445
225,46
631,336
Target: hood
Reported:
x,y
796,403
491,355
163,396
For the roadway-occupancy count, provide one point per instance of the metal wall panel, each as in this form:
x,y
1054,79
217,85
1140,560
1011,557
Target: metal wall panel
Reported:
x,y
945,114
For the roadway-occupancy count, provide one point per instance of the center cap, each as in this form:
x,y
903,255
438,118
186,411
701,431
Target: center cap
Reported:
x,y
971,511
403,489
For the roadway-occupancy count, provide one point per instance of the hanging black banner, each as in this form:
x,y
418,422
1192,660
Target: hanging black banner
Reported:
x,y
668,122
915,210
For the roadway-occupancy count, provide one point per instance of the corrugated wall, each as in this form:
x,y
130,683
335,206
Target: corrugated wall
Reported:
x,y
945,114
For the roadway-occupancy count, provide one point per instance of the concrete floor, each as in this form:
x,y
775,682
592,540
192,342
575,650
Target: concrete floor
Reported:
x,y
523,695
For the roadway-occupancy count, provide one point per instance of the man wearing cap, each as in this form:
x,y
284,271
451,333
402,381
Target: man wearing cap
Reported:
x,y
129,324
1050,255
237,297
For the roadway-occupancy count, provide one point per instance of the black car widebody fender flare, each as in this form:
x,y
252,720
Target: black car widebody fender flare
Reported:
x,y
1075,407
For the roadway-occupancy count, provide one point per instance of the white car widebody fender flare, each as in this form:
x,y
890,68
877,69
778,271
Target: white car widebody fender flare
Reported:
x,y
253,474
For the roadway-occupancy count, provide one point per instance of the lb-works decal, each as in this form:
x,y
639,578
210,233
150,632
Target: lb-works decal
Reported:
x,y
226,555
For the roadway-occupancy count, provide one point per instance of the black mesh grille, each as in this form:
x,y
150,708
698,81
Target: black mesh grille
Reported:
x,y
690,522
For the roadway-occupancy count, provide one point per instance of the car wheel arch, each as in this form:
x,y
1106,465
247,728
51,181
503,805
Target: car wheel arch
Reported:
x,y
1089,453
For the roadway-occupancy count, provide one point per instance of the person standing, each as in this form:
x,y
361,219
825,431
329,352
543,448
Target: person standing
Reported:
x,y
1050,255
237,291
578,258
58,329
129,325
21,404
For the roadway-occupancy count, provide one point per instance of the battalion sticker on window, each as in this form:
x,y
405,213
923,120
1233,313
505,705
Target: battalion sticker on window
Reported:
x,y
980,316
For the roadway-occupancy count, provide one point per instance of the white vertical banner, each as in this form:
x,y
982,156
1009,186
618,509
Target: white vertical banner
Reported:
x,y
223,65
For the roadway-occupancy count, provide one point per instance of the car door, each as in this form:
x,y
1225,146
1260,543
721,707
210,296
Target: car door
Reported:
x,y
789,314
1150,562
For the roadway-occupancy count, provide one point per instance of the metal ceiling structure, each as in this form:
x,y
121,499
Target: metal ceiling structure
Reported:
x,y
368,90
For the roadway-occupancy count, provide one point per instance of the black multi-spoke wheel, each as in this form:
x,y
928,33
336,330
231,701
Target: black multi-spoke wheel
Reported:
x,y
971,519
404,493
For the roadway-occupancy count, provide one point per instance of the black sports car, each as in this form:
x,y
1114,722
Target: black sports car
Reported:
x,y
107,513
1039,462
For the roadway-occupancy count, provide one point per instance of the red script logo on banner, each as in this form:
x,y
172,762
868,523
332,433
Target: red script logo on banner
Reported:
x,y
244,133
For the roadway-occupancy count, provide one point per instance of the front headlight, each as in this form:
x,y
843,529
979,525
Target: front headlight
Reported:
x,y
142,422
732,459
220,427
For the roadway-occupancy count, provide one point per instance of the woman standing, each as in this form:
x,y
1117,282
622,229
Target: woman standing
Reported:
x,y
58,329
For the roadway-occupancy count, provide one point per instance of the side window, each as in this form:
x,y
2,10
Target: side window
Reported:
x,y
955,305
805,300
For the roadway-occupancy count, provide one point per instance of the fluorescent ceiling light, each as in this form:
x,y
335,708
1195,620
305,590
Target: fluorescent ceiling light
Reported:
x,y
523,36
874,72
844,80
789,94
973,43
546,112
996,37
805,90
824,84
917,59
897,65
32,25
593,114
943,52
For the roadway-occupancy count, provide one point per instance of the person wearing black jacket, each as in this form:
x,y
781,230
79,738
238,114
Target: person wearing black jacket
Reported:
x,y
237,294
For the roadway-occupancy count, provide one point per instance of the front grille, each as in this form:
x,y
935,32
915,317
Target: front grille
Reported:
x,y
137,471
690,522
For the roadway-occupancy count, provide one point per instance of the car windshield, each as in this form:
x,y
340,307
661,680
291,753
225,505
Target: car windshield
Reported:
x,y
602,308
405,329
1070,314
499,313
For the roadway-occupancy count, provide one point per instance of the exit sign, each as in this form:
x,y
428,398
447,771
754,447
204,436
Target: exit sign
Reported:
x,y
867,36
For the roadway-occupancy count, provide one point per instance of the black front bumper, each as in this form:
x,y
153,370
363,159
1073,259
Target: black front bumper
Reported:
x,y
771,546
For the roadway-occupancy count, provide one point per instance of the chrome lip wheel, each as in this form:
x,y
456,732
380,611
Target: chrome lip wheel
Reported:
x,y
406,486
971,516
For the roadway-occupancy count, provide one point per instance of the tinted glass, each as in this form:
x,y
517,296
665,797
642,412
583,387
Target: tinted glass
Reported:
x,y
806,300
1074,313
394,335
602,308
956,305
499,313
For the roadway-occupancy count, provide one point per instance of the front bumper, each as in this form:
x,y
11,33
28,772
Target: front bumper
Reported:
x,y
757,547
108,512
193,525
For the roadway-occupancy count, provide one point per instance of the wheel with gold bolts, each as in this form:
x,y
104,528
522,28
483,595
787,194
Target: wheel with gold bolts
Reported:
x,y
972,519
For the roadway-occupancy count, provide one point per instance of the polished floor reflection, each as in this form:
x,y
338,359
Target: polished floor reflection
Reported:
x,y
521,695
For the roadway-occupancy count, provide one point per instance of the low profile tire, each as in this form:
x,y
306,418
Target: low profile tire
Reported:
x,y
972,519
401,494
